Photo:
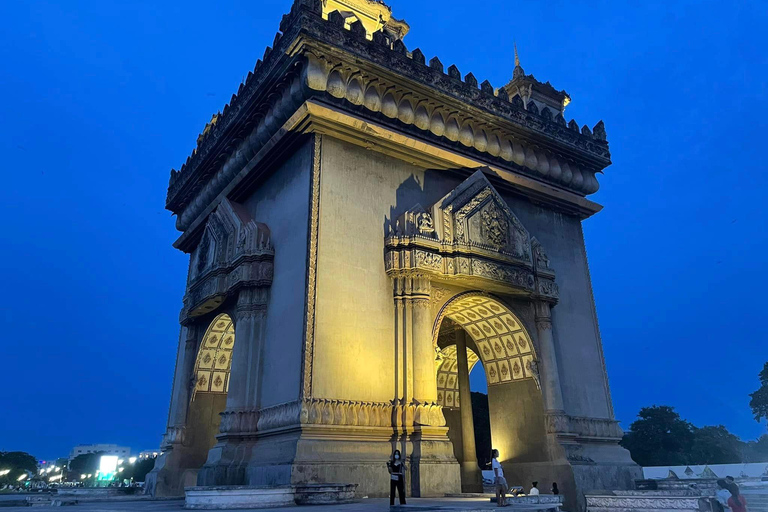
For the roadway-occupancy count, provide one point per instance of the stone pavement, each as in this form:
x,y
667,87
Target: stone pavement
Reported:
x,y
365,505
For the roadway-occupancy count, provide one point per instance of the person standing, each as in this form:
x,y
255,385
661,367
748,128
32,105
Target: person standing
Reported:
x,y
534,489
736,502
722,494
498,480
555,490
396,469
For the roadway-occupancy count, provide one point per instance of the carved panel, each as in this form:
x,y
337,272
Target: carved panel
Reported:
x,y
470,233
235,251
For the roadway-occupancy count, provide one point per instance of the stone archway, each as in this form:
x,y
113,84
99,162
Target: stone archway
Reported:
x,y
211,378
489,333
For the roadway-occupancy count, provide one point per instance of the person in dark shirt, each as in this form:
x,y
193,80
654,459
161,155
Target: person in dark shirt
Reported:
x,y
396,468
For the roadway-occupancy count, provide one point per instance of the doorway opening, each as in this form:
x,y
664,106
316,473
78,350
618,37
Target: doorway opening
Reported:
x,y
210,386
507,409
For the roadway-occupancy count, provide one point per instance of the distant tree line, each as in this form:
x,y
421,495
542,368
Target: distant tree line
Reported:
x,y
660,437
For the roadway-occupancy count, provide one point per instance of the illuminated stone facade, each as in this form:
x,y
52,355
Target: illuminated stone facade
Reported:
x,y
358,213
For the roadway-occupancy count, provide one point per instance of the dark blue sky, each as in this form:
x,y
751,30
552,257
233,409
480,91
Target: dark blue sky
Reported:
x,y
99,99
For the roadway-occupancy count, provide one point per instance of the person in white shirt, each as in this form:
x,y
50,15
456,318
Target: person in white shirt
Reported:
x,y
722,494
534,490
499,481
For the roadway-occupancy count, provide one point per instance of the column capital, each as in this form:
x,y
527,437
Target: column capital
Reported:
x,y
412,285
543,310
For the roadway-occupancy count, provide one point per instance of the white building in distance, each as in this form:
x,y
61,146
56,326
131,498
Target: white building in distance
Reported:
x,y
106,449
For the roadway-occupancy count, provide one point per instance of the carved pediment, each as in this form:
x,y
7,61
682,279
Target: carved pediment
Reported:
x,y
475,214
470,234
234,251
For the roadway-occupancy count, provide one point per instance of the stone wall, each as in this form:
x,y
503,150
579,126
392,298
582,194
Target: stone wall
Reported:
x,y
282,203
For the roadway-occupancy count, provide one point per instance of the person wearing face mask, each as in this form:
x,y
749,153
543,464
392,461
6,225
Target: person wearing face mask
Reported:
x,y
396,469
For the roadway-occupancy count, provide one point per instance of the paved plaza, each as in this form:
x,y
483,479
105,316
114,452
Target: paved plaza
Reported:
x,y
364,505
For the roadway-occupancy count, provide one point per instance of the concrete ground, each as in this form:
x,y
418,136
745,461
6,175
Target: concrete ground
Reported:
x,y
365,505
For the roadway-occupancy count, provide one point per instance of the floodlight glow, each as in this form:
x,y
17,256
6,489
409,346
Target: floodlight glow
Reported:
x,y
107,463
83,476
22,477
120,461
54,477
132,460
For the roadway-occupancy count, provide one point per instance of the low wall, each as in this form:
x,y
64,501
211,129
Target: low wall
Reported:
x,y
99,492
245,497
648,501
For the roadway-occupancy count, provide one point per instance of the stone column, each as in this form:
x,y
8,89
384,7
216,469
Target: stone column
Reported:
x,y
424,374
427,412
247,353
549,373
183,378
471,479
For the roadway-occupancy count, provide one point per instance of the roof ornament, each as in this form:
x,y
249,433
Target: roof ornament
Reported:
x,y
518,71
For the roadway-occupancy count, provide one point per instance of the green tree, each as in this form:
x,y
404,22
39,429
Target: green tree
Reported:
x,y
18,463
715,445
87,463
659,437
757,451
138,471
759,399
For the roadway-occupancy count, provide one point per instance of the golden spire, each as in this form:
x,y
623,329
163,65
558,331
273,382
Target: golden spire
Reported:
x,y
517,59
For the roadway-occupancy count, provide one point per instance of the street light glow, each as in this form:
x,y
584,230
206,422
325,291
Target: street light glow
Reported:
x,y
83,476
132,460
22,477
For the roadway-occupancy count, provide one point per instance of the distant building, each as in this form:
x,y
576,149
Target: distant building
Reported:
x,y
106,449
149,454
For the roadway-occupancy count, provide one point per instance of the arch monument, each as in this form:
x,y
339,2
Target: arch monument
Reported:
x,y
364,226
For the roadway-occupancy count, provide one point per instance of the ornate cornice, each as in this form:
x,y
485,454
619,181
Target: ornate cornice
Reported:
x,y
379,78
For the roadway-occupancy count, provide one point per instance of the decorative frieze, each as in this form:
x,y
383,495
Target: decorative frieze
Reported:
x,y
329,412
596,428
239,422
640,502
583,427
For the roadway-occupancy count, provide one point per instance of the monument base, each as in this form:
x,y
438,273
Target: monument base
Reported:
x,y
171,475
315,453
244,497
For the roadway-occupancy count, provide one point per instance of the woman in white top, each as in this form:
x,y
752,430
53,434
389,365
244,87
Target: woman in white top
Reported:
x,y
499,481
534,489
